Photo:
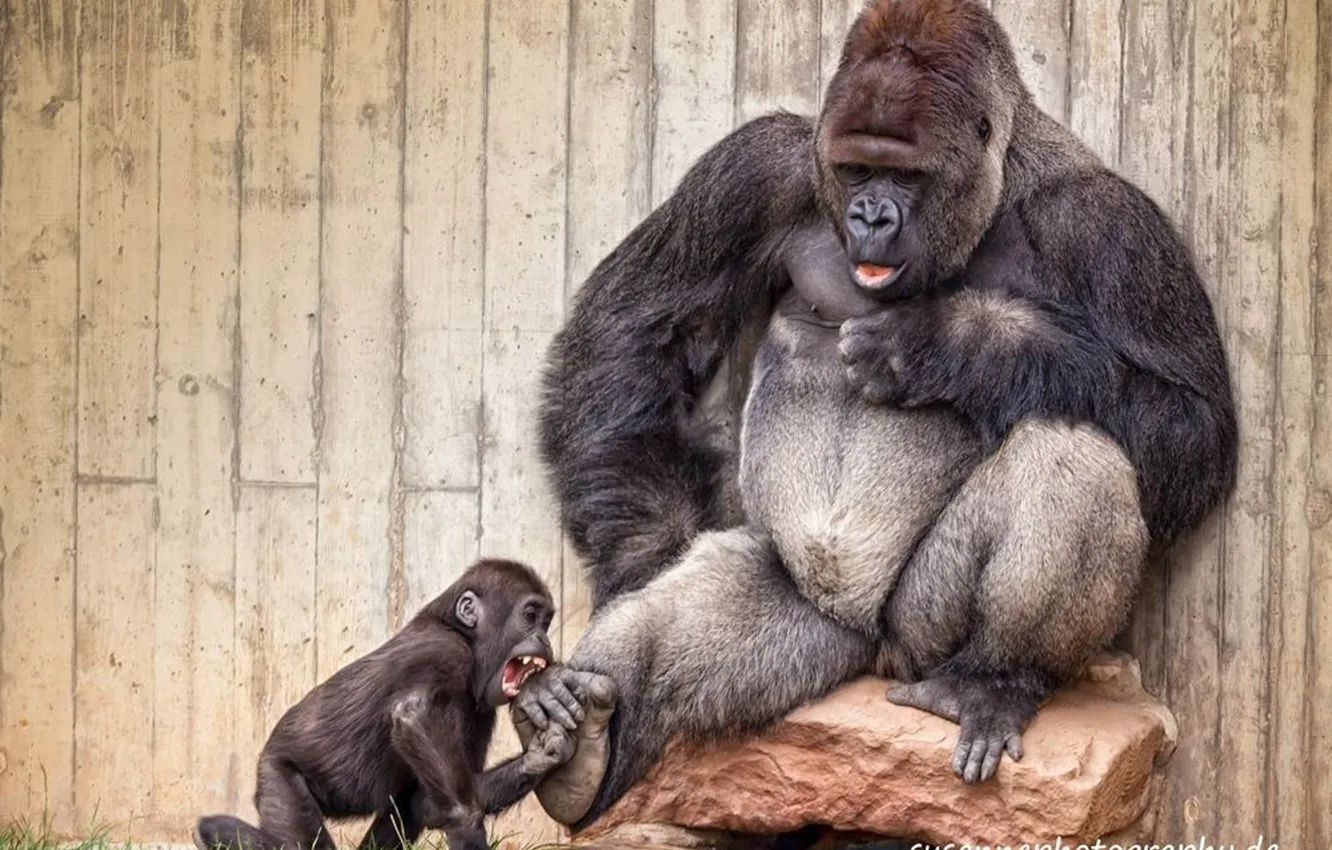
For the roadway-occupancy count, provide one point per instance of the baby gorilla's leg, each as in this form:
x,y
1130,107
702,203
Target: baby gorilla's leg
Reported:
x,y
1030,570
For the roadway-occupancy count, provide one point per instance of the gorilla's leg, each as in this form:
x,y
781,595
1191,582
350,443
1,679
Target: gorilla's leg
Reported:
x,y
567,792
1030,569
399,824
720,643
289,817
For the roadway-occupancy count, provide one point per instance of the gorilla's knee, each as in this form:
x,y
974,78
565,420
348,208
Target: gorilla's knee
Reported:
x,y
409,710
1079,480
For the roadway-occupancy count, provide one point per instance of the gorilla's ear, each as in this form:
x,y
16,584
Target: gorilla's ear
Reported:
x,y
468,609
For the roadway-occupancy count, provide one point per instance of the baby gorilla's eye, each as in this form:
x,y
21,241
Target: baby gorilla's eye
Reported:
x,y
530,615
852,174
983,130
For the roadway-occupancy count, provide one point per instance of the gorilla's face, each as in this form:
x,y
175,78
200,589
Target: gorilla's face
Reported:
x,y
911,143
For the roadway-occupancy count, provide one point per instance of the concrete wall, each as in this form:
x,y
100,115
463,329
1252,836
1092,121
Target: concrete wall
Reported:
x,y
275,277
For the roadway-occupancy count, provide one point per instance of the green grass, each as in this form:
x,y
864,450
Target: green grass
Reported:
x,y
27,835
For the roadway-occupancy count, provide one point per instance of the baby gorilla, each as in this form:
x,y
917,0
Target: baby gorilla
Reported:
x,y
402,732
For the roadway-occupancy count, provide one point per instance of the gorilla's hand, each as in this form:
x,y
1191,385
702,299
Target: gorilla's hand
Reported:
x,y
548,749
556,693
885,354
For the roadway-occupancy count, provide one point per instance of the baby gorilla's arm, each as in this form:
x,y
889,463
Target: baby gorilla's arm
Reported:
x,y
507,783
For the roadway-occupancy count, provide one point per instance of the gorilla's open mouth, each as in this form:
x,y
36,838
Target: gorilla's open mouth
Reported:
x,y
517,670
872,276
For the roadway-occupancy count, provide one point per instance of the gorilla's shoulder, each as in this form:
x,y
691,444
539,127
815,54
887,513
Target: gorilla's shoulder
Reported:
x,y
1096,201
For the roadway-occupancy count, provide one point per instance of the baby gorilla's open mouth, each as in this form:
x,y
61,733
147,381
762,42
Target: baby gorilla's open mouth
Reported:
x,y
517,670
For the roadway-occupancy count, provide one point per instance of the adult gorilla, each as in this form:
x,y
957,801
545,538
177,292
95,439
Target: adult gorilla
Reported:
x,y
991,382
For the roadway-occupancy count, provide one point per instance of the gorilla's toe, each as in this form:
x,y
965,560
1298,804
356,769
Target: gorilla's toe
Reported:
x,y
933,695
986,735
991,716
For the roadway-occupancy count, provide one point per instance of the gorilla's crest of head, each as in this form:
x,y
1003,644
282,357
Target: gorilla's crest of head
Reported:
x,y
911,143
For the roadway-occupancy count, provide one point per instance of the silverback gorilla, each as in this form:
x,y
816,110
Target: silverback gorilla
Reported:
x,y
990,386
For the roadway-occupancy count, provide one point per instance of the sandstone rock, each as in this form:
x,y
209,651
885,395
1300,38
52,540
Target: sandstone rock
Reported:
x,y
853,761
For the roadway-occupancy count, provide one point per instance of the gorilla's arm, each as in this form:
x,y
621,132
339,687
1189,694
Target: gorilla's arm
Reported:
x,y
1096,314
636,481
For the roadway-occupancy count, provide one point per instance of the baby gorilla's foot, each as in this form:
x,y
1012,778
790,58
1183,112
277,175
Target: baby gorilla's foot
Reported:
x,y
224,832
569,791
991,715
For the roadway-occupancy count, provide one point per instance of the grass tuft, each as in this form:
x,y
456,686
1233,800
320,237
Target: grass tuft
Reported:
x,y
30,835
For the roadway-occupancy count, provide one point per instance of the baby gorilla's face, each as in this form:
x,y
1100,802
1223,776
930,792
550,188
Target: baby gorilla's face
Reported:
x,y
519,650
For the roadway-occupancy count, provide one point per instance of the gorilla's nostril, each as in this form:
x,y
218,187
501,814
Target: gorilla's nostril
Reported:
x,y
876,212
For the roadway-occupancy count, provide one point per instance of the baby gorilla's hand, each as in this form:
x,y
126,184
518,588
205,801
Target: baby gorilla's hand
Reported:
x,y
548,749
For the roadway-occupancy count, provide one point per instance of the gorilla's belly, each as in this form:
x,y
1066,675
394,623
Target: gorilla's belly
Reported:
x,y
845,488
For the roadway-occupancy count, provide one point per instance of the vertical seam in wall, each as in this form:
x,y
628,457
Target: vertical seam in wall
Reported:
x,y
652,95
1068,61
157,259
397,496
568,267
735,68
1123,76
74,476
318,369
6,28
485,283
568,137
1277,531
818,63
157,55
237,369
1223,287
1310,639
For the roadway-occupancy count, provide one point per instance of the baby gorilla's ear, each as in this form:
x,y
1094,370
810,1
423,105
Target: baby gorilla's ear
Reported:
x,y
468,609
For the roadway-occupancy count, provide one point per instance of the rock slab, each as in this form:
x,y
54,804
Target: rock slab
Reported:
x,y
854,761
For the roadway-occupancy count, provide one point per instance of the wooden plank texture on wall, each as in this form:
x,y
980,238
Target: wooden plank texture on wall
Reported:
x,y
276,279
835,21
1096,76
360,338
610,178
444,237
275,616
1039,32
1154,94
1317,507
1288,779
114,648
776,57
281,76
694,61
118,238
196,429
39,237
1251,310
1193,600
525,249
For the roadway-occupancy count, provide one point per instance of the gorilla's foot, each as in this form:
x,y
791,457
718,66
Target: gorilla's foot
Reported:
x,y
569,791
991,715
219,832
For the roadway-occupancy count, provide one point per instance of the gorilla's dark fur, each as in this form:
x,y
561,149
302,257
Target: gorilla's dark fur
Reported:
x,y
401,732
991,383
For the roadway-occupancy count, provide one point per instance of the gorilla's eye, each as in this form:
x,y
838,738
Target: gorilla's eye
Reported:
x,y
984,129
852,174
530,615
